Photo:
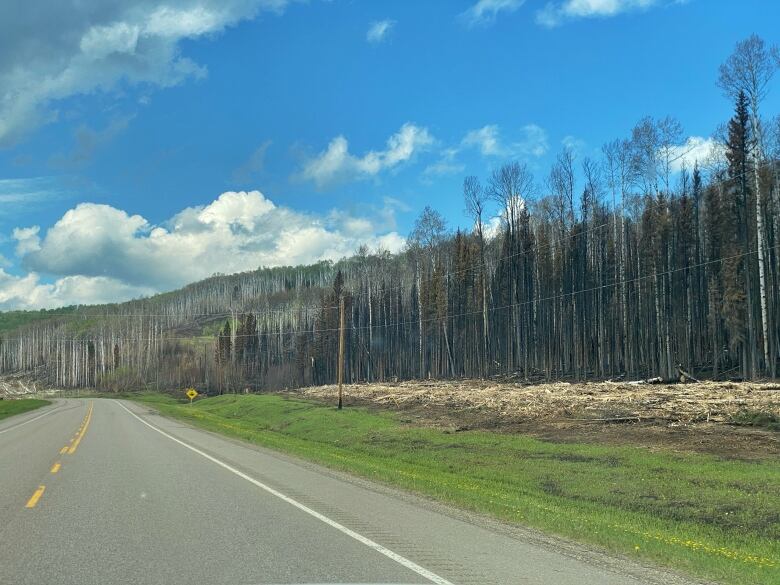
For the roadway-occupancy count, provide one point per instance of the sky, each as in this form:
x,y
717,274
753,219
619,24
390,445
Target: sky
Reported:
x,y
146,144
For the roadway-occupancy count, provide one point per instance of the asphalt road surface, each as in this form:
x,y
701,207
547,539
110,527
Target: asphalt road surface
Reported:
x,y
107,492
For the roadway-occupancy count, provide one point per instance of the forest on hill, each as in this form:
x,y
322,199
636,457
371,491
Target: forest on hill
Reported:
x,y
631,264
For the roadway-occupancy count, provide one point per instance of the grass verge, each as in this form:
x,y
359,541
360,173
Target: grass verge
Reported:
x,y
709,517
12,407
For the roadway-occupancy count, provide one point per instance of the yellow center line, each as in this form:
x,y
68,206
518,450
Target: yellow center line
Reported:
x,y
74,443
35,497
80,435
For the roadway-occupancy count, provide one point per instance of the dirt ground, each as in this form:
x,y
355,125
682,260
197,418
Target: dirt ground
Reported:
x,y
697,417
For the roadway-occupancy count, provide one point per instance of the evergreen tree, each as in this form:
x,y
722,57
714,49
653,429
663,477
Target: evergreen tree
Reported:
x,y
735,236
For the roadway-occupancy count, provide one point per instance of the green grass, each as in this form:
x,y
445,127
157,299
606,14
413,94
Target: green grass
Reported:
x,y
705,516
12,407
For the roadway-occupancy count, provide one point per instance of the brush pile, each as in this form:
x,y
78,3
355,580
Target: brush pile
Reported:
x,y
598,402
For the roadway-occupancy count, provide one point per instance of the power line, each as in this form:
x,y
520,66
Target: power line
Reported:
x,y
572,293
334,307
287,311
434,319
237,312
385,290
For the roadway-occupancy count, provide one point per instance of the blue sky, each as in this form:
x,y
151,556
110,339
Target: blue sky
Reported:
x,y
122,124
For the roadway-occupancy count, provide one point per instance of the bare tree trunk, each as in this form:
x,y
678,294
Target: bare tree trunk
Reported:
x,y
420,321
449,350
370,331
761,269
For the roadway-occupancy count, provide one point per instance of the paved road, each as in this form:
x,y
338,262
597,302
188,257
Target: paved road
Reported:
x,y
107,492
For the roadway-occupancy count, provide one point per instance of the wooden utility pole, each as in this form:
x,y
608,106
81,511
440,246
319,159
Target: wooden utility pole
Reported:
x,y
341,348
205,367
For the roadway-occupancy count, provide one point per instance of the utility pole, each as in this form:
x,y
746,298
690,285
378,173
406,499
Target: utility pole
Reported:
x,y
205,367
341,349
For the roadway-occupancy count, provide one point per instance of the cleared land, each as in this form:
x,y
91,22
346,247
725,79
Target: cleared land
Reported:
x,y
730,419
706,515
12,407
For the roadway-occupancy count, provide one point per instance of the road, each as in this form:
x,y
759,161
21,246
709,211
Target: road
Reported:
x,y
107,492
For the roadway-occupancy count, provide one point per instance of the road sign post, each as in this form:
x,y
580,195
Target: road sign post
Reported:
x,y
191,393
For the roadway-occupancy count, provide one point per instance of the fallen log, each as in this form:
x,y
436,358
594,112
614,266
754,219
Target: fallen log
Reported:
x,y
656,380
684,376
616,419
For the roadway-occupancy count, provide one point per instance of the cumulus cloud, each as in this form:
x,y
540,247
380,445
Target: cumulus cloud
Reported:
x,y
493,226
379,30
696,148
336,163
27,239
28,292
556,13
66,48
94,243
485,11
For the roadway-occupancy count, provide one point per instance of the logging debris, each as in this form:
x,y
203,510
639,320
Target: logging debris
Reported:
x,y
607,402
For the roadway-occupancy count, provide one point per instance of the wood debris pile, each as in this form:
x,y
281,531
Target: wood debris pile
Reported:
x,y
17,386
586,402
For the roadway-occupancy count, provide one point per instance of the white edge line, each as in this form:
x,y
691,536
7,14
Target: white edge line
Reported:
x,y
411,565
48,412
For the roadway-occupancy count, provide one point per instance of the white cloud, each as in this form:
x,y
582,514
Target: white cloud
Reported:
x,y
27,240
485,11
486,139
576,145
238,231
556,13
64,49
26,193
696,148
533,142
379,30
442,167
493,226
336,163
446,165
28,292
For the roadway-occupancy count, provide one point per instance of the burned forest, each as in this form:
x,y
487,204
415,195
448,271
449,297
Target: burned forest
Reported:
x,y
650,259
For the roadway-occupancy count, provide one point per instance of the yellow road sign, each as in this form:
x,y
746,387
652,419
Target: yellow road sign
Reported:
x,y
192,393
